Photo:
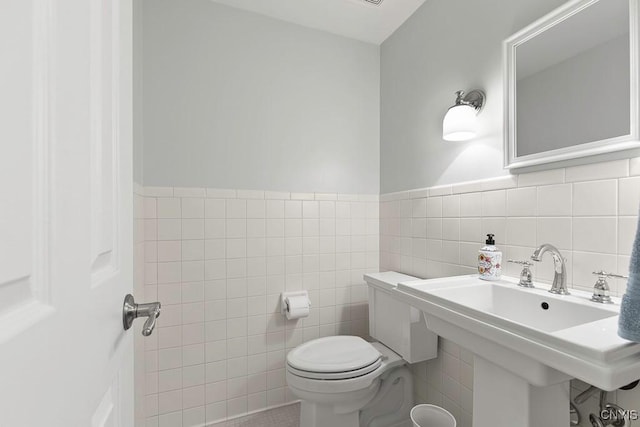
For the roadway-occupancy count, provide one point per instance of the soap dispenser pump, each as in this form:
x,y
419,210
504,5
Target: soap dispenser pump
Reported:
x,y
490,260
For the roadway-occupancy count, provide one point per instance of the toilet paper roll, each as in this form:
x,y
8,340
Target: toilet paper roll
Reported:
x,y
297,307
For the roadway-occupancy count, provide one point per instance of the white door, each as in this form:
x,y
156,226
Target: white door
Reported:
x,y
65,213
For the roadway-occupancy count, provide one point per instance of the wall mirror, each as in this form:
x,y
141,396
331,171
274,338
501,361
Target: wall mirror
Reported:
x,y
571,84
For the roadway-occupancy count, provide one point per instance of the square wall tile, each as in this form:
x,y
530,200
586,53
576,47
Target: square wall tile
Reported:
x,y
256,208
627,229
634,166
169,229
419,208
192,250
555,200
236,209
557,231
275,208
434,228
215,208
522,201
434,207
192,229
494,203
310,209
293,209
236,228
193,208
598,234
193,417
150,207
584,263
215,229
451,206
470,229
521,231
595,198
170,250
173,419
470,205
629,196
169,207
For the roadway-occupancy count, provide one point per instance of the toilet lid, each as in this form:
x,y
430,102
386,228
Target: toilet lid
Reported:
x,y
335,375
333,355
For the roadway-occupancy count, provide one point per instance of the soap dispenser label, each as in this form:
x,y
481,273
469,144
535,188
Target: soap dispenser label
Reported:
x,y
490,265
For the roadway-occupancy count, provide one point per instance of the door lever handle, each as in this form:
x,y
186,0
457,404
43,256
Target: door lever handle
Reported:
x,y
131,311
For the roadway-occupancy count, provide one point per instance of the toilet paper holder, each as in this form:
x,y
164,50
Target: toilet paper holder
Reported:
x,y
284,307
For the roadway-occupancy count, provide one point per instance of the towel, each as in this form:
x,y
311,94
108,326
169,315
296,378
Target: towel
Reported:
x,y
629,321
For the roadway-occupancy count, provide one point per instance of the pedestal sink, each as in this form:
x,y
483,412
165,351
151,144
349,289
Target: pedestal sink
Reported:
x,y
528,344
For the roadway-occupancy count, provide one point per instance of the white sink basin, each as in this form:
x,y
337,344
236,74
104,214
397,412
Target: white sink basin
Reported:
x,y
529,309
542,337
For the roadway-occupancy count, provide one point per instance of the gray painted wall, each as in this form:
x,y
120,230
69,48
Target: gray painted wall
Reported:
x,y
446,46
138,135
238,100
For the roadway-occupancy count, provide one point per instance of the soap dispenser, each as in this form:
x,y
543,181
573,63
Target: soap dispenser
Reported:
x,y
490,260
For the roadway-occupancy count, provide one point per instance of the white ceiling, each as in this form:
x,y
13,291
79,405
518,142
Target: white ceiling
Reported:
x,y
355,19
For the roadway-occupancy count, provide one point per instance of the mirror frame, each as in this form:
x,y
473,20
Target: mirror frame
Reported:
x,y
619,143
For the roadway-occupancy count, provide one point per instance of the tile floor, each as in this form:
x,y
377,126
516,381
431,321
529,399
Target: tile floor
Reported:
x,y
284,416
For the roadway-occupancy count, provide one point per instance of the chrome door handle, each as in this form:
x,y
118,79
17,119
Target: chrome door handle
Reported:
x,y
131,311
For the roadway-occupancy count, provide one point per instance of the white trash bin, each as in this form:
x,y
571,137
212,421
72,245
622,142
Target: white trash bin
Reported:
x,y
431,416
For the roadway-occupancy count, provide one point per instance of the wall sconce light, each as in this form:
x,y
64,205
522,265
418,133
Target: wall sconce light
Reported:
x,y
459,123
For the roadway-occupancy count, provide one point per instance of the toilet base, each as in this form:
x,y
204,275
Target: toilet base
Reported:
x,y
385,403
392,405
334,409
314,415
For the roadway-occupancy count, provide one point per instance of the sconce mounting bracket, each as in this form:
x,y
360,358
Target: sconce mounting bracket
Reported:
x,y
475,98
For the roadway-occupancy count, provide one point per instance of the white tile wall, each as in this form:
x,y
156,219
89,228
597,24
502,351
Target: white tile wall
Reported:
x,y
592,221
589,212
139,254
218,260
447,381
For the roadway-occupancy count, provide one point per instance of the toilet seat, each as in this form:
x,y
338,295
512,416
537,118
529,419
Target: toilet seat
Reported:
x,y
336,375
302,381
337,357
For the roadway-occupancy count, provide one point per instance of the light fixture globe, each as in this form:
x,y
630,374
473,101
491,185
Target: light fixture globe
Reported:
x,y
459,123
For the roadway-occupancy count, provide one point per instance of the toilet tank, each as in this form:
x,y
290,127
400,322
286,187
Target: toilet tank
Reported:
x,y
395,323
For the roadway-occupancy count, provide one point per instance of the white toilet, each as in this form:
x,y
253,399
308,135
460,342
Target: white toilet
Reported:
x,y
345,381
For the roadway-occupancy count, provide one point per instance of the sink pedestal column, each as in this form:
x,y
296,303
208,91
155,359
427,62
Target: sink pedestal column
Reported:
x,y
503,399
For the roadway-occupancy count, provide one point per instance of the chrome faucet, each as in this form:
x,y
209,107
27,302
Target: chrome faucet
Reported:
x,y
559,285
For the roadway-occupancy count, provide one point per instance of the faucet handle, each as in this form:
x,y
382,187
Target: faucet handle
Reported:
x,y
525,274
601,288
526,263
603,274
